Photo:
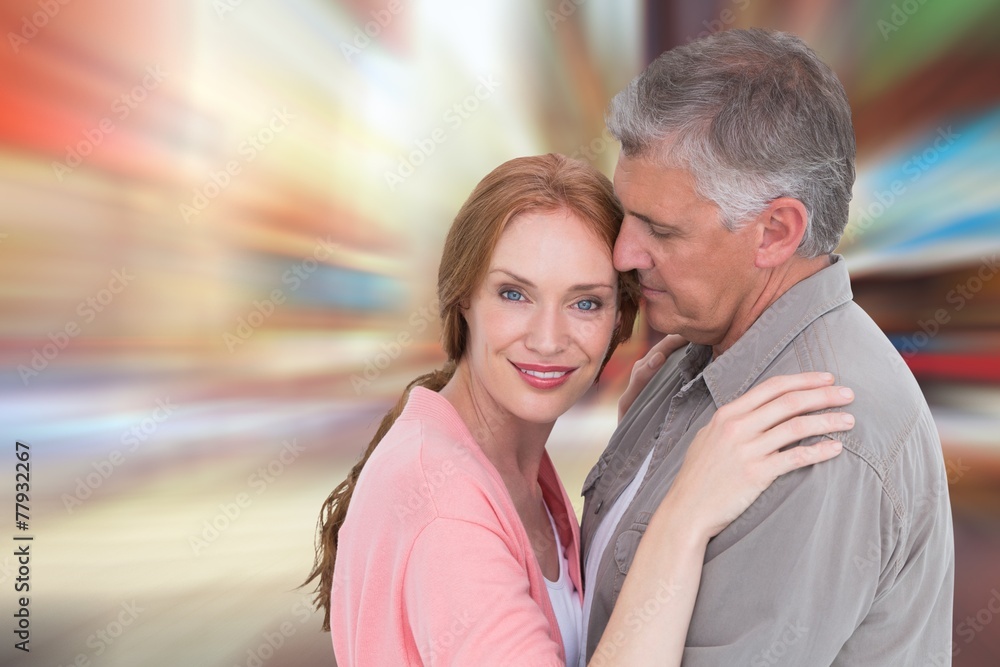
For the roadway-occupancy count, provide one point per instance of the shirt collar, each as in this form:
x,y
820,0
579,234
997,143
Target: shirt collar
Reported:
x,y
739,367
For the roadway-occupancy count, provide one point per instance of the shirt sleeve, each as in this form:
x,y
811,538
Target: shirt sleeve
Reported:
x,y
791,580
467,600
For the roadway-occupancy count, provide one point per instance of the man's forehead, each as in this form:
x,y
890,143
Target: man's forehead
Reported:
x,y
649,173
628,171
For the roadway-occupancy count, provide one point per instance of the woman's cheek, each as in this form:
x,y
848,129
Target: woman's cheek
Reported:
x,y
594,333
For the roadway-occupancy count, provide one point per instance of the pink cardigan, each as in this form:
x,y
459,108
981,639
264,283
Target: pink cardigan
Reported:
x,y
434,566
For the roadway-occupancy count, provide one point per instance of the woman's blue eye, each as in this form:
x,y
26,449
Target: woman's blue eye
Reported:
x,y
588,304
512,295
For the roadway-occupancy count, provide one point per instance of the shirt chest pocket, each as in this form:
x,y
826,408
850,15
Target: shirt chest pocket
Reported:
x,y
625,545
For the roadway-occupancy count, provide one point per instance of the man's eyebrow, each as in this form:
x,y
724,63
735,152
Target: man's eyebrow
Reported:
x,y
575,288
649,221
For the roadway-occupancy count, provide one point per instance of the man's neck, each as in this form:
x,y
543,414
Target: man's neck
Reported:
x,y
775,284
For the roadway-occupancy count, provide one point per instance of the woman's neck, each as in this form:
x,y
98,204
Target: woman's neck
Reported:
x,y
514,446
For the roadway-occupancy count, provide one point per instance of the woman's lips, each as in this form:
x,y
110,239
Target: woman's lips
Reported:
x,y
542,376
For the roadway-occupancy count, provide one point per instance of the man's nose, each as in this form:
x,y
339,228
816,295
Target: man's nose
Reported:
x,y
630,252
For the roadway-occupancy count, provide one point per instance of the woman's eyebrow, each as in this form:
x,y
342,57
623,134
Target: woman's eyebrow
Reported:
x,y
523,281
574,288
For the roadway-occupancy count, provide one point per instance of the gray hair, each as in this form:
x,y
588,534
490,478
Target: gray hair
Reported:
x,y
754,115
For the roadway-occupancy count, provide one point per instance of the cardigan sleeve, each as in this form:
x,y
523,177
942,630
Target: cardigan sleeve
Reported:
x,y
467,600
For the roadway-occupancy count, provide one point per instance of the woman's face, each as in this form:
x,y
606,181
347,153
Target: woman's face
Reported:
x,y
541,322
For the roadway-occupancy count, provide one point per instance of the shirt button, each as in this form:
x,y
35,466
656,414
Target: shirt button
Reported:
x,y
600,503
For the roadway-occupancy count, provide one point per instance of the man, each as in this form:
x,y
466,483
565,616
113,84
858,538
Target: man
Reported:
x,y
736,172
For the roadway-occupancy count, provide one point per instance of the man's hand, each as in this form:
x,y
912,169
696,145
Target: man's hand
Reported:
x,y
644,369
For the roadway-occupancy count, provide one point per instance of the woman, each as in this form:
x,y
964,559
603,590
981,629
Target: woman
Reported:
x,y
461,546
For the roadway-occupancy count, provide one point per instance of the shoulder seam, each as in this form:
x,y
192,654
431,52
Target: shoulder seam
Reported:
x,y
854,446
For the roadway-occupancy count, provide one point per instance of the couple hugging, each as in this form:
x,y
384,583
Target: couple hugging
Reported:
x,y
767,446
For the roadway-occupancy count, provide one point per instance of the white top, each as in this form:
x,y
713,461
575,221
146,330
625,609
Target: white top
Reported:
x,y
566,603
605,529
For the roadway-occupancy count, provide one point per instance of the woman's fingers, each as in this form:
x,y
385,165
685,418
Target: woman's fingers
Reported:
x,y
787,405
802,456
799,428
734,457
775,387
644,369
668,345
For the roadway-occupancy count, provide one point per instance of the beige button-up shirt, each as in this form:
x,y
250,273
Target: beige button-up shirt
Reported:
x,y
848,562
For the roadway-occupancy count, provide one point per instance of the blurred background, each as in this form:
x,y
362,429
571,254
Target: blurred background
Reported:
x,y
219,231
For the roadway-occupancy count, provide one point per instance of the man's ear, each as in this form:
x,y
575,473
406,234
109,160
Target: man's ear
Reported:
x,y
782,225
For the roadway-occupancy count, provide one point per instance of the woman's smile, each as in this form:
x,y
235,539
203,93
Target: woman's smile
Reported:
x,y
542,376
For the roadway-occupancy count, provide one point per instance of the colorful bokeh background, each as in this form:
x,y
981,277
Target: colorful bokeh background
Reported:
x,y
220,223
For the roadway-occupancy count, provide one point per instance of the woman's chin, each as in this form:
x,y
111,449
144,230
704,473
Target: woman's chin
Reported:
x,y
547,409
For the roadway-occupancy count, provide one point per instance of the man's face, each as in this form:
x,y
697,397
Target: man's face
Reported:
x,y
696,275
